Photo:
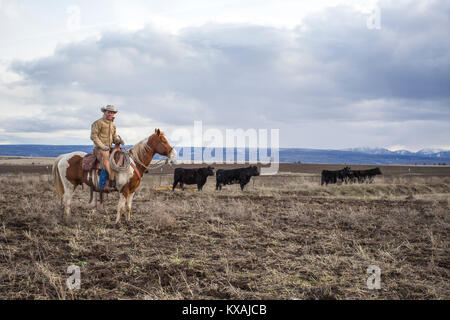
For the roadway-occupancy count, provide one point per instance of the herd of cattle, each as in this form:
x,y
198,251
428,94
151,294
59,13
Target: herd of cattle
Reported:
x,y
242,176
199,176
347,175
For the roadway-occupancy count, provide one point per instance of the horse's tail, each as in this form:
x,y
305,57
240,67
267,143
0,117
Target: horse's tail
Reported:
x,y
57,178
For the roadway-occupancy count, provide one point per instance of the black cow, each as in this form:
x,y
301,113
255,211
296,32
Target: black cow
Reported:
x,y
192,176
329,176
241,176
363,175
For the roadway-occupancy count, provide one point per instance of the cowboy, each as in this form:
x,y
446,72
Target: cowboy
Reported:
x,y
103,134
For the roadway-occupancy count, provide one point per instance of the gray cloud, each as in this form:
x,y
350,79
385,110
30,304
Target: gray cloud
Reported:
x,y
329,68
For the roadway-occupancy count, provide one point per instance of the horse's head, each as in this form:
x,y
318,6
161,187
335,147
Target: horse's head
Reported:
x,y
161,146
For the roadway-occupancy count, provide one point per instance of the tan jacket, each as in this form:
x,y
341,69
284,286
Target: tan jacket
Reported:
x,y
103,133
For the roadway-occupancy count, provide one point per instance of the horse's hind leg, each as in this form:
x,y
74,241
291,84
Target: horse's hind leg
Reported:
x,y
67,200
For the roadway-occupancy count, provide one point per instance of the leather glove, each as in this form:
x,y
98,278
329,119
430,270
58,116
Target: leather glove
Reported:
x,y
105,148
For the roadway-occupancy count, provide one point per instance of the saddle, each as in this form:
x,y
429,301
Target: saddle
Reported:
x,y
89,162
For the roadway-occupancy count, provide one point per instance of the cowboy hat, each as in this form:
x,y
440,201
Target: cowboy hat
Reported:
x,y
109,108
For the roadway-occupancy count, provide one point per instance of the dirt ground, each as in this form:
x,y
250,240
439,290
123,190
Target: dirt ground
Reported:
x,y
284,237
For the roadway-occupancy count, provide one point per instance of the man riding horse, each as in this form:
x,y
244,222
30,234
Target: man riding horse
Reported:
x,y
103,134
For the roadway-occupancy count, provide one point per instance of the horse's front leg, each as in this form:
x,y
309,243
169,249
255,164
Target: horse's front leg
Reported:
x,y
129,202
120,206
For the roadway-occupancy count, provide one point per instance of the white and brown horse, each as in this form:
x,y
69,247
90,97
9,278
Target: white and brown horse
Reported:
x,y
68,172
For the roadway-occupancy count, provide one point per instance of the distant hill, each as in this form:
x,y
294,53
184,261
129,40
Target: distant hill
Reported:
x,y
348,156
357,156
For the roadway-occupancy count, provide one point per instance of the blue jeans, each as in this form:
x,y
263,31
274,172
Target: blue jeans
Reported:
x,y
103,178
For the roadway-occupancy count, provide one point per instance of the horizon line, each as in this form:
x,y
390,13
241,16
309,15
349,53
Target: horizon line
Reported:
x,y
347,149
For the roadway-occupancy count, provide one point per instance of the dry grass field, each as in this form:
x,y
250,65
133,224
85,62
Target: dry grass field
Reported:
x,y
284,237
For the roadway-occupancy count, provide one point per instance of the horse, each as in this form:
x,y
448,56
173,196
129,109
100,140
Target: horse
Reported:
x,y
68,173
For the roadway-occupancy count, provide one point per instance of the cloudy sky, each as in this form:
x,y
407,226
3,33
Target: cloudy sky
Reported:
x,y
328,74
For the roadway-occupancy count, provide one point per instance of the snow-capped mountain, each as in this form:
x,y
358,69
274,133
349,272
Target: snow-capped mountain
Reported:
x,y
403,152
369,150
430,151
443,154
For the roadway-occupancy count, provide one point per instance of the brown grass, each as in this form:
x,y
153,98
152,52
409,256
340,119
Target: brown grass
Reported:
x,y
282,238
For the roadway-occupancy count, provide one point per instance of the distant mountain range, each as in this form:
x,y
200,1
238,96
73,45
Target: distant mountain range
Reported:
x,y
347,156
366,156
437,153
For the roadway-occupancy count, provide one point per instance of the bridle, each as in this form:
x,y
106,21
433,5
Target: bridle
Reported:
x,y
151,166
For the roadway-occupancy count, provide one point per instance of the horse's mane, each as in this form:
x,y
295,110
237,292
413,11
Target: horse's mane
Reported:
x,y
140,149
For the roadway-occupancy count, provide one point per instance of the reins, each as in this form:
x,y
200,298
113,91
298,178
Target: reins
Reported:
x,y
151,165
